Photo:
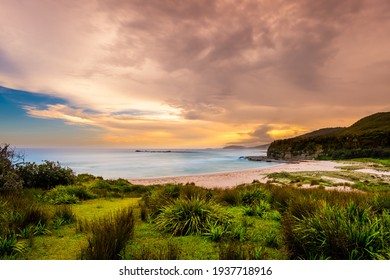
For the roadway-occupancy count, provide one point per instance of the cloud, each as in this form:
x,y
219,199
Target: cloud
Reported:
x,y
196,65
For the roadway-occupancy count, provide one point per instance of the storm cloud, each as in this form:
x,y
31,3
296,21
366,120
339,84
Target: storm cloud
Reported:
x,y
256,70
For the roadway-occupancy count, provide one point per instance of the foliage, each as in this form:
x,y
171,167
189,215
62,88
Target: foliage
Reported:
x,y
61,195
367,138
9,178
155,201
117,188
190,216
109,236
9,245
45,176
65,214
258,209
338,233
254,194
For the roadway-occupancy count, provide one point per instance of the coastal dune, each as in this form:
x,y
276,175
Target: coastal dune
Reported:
x,y
234,178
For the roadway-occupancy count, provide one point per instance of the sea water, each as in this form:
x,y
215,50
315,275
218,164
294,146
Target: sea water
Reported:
x,y
130,163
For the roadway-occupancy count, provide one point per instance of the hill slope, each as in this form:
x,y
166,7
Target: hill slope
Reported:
x,y
368,137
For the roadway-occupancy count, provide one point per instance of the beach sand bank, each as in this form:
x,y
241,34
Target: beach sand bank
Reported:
x,y
234,178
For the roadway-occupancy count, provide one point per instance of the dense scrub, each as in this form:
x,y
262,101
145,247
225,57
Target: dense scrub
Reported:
x,y
16,174
367,138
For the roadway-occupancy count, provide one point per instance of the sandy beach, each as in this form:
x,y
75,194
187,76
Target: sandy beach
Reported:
x,y
234,178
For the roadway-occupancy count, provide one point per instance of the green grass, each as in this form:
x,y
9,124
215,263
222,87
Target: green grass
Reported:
x,y
383,162
278,220
109,236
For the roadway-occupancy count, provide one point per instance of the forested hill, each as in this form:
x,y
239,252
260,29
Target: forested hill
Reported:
x,y
368,137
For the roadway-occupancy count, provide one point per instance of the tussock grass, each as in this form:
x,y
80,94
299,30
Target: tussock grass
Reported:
x,y
190,216
335,232
109,236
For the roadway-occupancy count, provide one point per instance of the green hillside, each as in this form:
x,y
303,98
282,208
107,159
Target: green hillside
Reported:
x,y
368,137
379,122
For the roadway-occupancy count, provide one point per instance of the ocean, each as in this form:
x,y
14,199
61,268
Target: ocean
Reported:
x,y
128,163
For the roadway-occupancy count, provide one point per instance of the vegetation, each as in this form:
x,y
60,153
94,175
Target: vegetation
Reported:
x,y
293,216
367,138
109,236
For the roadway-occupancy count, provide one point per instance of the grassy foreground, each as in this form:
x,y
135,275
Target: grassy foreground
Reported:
x,y
94,218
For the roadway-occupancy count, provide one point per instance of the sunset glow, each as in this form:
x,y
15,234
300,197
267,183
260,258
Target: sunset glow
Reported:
x,y
190,74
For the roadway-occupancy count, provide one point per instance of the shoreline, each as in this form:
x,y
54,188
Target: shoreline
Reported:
x,y
233,178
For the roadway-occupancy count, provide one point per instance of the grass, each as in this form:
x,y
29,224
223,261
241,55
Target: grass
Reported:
x,y
332,232
190,216
278,220
109,236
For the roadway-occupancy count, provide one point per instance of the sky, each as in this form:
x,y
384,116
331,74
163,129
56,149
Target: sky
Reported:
x,y
188,74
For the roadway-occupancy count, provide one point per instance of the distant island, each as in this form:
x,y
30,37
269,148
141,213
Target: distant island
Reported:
x,y
368,137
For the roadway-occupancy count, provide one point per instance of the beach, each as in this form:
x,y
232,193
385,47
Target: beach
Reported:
x,y
234,178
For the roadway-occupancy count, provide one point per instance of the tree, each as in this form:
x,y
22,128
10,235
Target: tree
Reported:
x,y
9,178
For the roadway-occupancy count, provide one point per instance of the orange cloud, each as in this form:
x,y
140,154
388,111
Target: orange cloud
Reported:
x,y
199,67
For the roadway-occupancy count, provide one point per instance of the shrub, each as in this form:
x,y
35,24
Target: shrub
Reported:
x,y
85,178
258,209
338,233
190,191
46,175
118,188
237,232
62,195
216,232
69,194
190,216
272,239
272,215
254,194
10,181
229,196
157,200
109,236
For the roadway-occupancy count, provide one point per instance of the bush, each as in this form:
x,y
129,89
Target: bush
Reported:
x,y
61,195
109,236
45,176
253,195
190,216
229,196
69,194
216,232
338,233
259,209
10,181
157,200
